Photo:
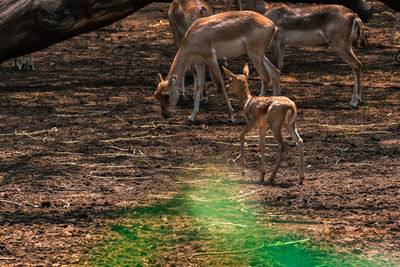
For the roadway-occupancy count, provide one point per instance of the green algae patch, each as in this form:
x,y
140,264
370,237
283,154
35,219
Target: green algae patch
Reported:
x,y
210,223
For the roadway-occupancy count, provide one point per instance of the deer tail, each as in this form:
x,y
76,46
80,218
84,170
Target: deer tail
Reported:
x,y
290,116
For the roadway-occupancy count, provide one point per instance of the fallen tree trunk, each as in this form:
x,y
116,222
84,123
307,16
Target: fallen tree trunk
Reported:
x,y
30,25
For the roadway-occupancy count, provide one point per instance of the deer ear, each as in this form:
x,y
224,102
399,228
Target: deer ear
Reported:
x,y
246,70
228,72
159,78
172,80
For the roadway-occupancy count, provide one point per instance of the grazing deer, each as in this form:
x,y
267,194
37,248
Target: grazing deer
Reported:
x,y
335,25
261,112
181,15
228,34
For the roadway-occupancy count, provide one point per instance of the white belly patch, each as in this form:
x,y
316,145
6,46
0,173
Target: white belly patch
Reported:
x,y
306,38
230,49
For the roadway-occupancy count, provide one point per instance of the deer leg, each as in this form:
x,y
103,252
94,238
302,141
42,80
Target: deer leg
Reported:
x,y
257,60
243,133
394,30
183,85
195,81
30,63
261,146
266,70
200,77
228,5
276,132
299,143
278,50
348,56
215,72
239,5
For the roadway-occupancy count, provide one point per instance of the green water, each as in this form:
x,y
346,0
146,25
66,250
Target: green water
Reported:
x,y
210,223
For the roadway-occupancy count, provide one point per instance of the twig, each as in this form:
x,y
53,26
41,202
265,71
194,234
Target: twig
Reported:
x,y
367,132
135,138
229,223
118,148
121,178
254,213
249,193
23,133
19,204
198,181
30,204
182,168
65,153
7,258
72,142
345,127
11,202
119,155
97,165
249,250
199,199
81,115
164,197
159,125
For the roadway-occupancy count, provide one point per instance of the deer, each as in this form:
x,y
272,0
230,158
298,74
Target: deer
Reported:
x,y
335,25
261,112
228,34
181,15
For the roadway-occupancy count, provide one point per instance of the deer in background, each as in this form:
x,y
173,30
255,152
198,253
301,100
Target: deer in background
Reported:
x,y
228,34
261,112
181,15
335,25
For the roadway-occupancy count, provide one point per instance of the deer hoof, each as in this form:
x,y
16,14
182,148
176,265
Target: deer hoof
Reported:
x,y
191,118
231,118
354,103
261,179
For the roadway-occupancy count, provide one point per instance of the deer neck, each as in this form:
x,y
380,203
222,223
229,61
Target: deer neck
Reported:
x,y
179,65
244,94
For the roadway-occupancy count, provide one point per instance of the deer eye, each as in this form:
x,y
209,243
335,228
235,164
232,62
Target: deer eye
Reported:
x,y
166,96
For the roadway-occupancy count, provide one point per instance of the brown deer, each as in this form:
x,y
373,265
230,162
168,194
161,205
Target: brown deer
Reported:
x,y
335,25
181,15
261,112
228,34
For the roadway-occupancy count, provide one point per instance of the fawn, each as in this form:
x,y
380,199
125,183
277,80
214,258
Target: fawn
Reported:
x,y
275,111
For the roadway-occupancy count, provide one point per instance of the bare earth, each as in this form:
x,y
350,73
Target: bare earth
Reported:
x,y
82,138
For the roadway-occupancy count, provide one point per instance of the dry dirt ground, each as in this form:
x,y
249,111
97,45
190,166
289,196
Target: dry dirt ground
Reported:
x,y
82,138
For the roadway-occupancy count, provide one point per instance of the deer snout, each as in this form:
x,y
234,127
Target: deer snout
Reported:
x,y
167,114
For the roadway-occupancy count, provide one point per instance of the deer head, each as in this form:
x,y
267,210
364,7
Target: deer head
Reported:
x,y
237,83
167,94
